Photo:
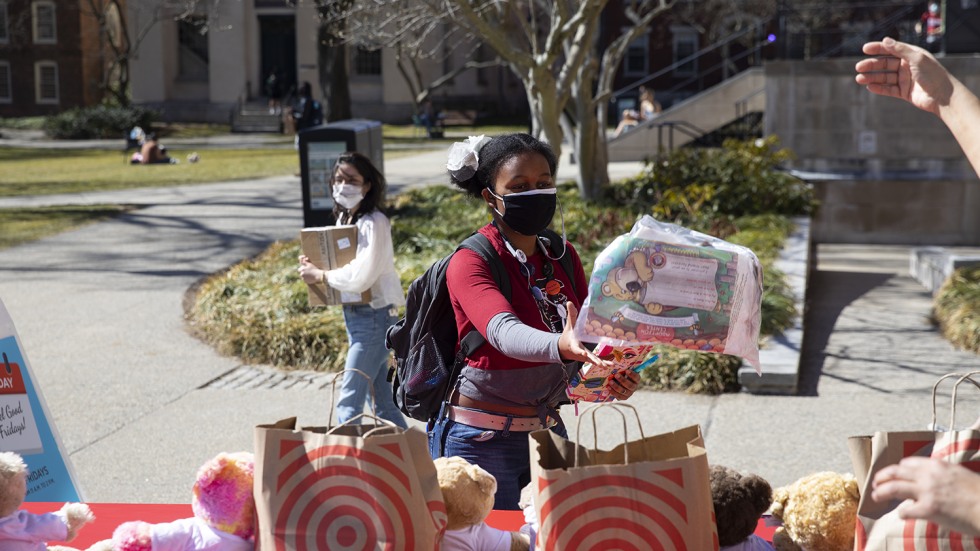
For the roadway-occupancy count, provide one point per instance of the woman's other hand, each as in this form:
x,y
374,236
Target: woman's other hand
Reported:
x,y
310,273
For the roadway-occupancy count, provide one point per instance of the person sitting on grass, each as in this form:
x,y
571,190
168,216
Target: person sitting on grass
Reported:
x,y
151,152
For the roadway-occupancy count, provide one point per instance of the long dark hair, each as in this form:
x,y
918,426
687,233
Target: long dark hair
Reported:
x,y
375,197
495,153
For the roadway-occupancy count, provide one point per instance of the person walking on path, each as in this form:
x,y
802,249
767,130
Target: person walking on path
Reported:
x,y
358,192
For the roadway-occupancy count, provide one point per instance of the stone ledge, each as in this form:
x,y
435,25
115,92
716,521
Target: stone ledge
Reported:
x,y
780,355
931,266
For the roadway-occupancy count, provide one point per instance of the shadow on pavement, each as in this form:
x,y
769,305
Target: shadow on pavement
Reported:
x,y
829,293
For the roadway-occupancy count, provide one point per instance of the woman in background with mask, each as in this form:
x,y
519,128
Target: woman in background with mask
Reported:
x,y
514,383
358,193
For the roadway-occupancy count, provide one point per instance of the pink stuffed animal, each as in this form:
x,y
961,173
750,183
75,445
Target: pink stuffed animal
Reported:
x,y
224,514
24,531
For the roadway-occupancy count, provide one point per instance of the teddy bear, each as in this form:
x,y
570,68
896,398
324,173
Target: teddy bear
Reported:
x,y
818,513
224,514
739,501
467,491
24,531
629,282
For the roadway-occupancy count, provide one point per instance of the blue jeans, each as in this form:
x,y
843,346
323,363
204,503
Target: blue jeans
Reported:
x,y
505,455
366,329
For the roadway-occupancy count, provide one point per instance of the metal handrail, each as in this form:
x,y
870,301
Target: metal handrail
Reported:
x,y
742,103
730,38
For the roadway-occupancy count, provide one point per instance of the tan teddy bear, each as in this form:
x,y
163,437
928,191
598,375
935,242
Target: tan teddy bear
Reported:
x,y
818,513
630,282
468,493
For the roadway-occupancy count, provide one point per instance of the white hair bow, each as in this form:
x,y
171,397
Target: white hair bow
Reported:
x,y
464,157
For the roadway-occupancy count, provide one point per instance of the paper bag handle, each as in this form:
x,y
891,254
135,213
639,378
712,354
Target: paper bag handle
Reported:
x,y
961,377
333,392
952,408
383,425
617,407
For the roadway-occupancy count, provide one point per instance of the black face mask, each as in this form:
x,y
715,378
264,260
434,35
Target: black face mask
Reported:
x,y
528,212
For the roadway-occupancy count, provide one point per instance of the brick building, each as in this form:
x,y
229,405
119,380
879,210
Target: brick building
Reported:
x,y
51,56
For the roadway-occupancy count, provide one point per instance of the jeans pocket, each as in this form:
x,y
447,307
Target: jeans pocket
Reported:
x,y
465,434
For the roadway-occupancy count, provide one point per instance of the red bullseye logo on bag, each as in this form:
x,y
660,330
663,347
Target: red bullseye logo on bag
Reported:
x,y
18,433
339,496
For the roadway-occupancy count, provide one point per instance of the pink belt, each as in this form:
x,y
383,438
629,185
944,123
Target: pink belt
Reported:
x,y
494,421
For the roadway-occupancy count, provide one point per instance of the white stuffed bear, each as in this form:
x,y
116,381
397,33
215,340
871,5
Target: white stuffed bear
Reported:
x,y
21,530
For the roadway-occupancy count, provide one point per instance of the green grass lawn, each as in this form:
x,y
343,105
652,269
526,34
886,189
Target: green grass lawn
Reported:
x,y
48,171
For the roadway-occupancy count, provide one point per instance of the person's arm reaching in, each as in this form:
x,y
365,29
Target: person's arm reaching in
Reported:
x,y
913,74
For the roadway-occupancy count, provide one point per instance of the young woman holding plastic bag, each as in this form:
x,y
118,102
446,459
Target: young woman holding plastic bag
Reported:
x,y
515,382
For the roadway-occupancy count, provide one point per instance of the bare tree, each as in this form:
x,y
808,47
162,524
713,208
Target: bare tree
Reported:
x,y
332,52
553,47
417,38
124,24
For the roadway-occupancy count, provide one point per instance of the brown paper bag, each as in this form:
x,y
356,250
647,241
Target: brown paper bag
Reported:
x,y
653,493
349,487
879,527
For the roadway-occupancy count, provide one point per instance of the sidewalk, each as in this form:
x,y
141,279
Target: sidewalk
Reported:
x,y
140,404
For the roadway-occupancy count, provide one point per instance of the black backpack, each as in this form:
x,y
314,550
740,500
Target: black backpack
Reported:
x,y
424,341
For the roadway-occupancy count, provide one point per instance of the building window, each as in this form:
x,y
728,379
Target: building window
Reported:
x,y
636,62
46,82
367,62
4,26
45,23
685,45
193,57
6,88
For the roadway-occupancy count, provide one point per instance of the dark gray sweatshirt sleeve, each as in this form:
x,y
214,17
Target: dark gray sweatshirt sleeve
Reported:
x,y
513,338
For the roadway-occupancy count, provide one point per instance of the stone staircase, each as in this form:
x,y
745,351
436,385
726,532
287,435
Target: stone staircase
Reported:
x,y
255,117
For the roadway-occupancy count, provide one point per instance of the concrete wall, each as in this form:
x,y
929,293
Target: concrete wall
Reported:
x,y
913,212
832,124
884,171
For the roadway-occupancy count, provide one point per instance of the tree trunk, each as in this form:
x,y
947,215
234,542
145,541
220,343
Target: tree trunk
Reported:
x,y
590,150
542,94
333,77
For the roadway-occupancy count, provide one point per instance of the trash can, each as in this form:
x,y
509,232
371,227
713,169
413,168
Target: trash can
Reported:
x,y
319,148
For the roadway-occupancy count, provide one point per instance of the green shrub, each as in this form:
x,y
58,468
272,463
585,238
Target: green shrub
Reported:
x,y
691,371
708,188
98,122
258,311
957,308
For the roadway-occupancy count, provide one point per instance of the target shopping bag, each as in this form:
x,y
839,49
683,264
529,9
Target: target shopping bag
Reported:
x,y
652,493
347,487
879,527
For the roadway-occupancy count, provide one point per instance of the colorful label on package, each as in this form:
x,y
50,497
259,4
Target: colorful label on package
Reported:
x,y
591,383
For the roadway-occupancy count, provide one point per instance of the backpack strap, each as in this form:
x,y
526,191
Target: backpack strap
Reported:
x,y
478,243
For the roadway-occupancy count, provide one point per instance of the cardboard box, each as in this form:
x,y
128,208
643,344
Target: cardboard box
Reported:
x,y
329,248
